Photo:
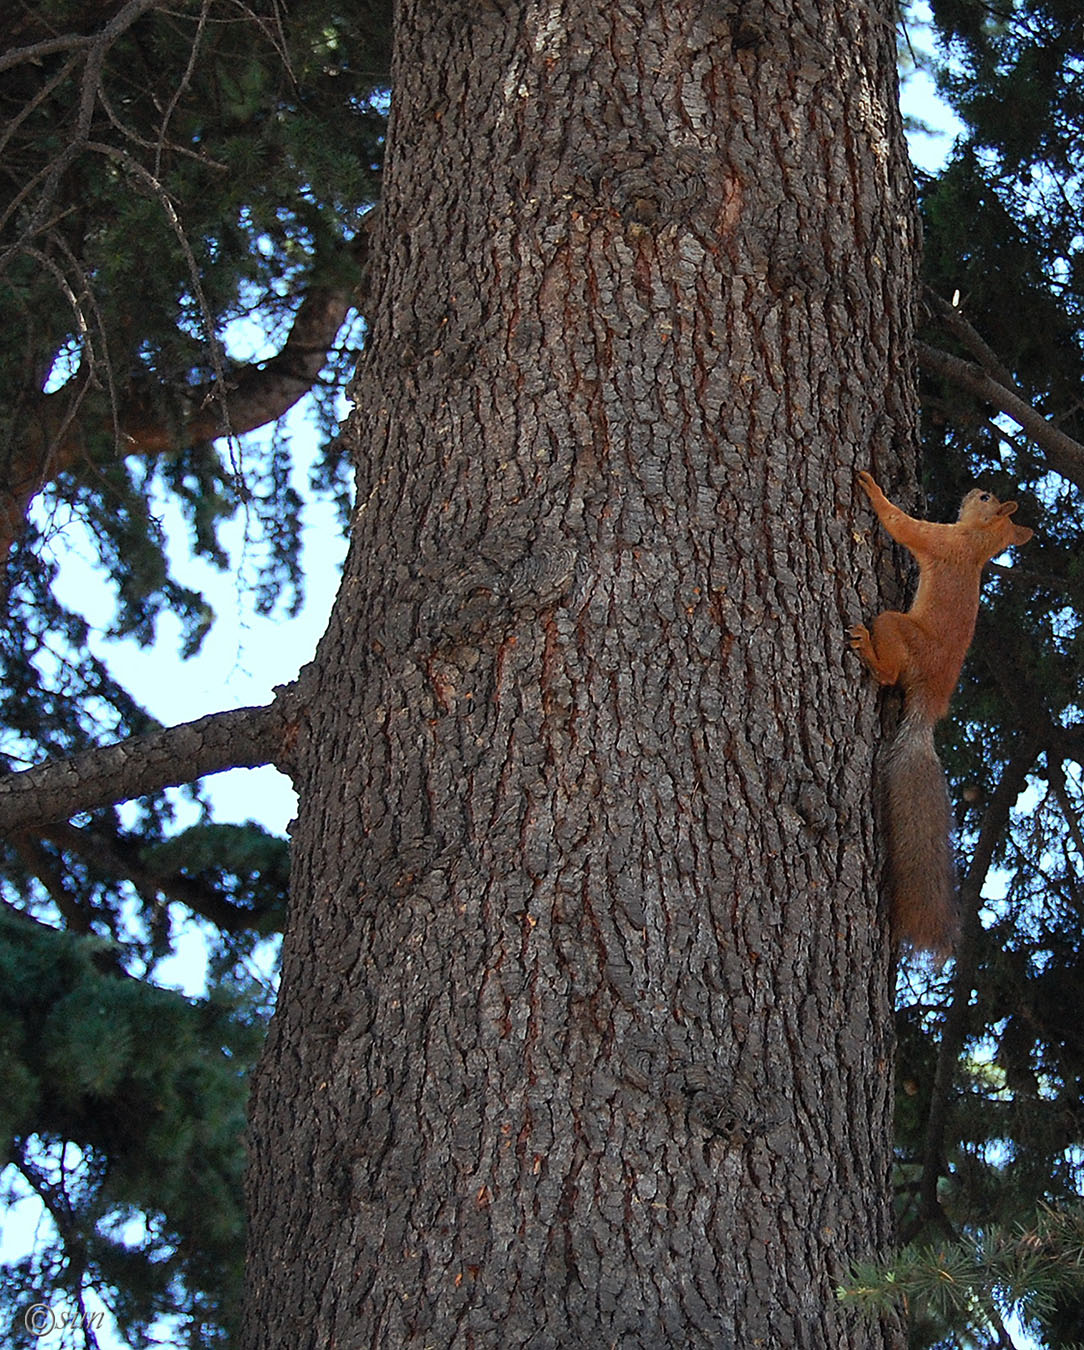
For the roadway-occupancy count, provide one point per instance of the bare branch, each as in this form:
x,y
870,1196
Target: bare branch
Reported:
x,y
97,48
1060,786
183,85
39,98
242,738
250,397
953,319
37,51
1064,454
123,19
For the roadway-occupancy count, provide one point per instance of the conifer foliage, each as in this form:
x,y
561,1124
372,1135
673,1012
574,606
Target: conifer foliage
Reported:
x,y
182,186
990,1119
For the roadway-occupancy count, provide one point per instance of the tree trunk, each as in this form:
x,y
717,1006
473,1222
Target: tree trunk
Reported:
x,y
584,1031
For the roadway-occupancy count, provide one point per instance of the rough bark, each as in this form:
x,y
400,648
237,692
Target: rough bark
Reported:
x,y
242,738
584,1029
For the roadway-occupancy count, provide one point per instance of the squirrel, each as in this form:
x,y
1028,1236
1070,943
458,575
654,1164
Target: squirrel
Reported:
x,y
922,651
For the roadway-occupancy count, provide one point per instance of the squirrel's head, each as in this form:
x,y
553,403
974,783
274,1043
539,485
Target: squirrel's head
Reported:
x,y
982,510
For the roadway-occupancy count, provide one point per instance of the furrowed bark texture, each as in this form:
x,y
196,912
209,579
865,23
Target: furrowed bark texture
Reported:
x,y
241,738
584,1031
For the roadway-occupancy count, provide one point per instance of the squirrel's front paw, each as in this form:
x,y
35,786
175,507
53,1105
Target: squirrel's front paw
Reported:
x,y
868,482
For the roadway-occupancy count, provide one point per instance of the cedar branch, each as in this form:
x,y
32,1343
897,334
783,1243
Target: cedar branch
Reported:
x,y
241,738
123,859
255,396
952,317
1064,455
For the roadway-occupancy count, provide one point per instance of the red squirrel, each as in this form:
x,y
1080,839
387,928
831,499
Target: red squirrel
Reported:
x,y
922,651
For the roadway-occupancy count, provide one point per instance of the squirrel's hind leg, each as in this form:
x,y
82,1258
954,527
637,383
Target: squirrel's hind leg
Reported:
x,y
884,650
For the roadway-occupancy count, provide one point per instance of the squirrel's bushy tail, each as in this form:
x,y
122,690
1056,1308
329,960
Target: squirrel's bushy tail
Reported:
x,y
922,874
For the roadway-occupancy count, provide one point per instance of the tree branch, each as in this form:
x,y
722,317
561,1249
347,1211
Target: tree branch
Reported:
x,y
242,738
257,394
121,859
1064,455
953,319
126,16
37,862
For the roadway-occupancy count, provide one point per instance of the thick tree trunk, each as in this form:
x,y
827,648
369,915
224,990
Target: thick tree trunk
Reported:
x,y
584,1036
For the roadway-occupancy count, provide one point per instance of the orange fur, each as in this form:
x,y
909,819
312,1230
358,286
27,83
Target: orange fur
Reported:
x,y
922,651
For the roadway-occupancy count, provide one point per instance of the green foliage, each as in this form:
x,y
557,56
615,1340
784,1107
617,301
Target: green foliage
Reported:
x,y
237,155
149,1088
969,1286
168,201
1003,245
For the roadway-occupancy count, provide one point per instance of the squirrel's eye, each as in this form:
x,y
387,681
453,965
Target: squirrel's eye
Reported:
x,y
984,497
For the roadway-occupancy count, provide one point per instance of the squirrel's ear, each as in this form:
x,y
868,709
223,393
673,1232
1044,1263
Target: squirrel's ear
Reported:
x,y
1020,534
1006,508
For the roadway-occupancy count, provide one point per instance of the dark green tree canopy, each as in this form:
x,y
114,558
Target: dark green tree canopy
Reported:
x,y
183,190
990,1114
